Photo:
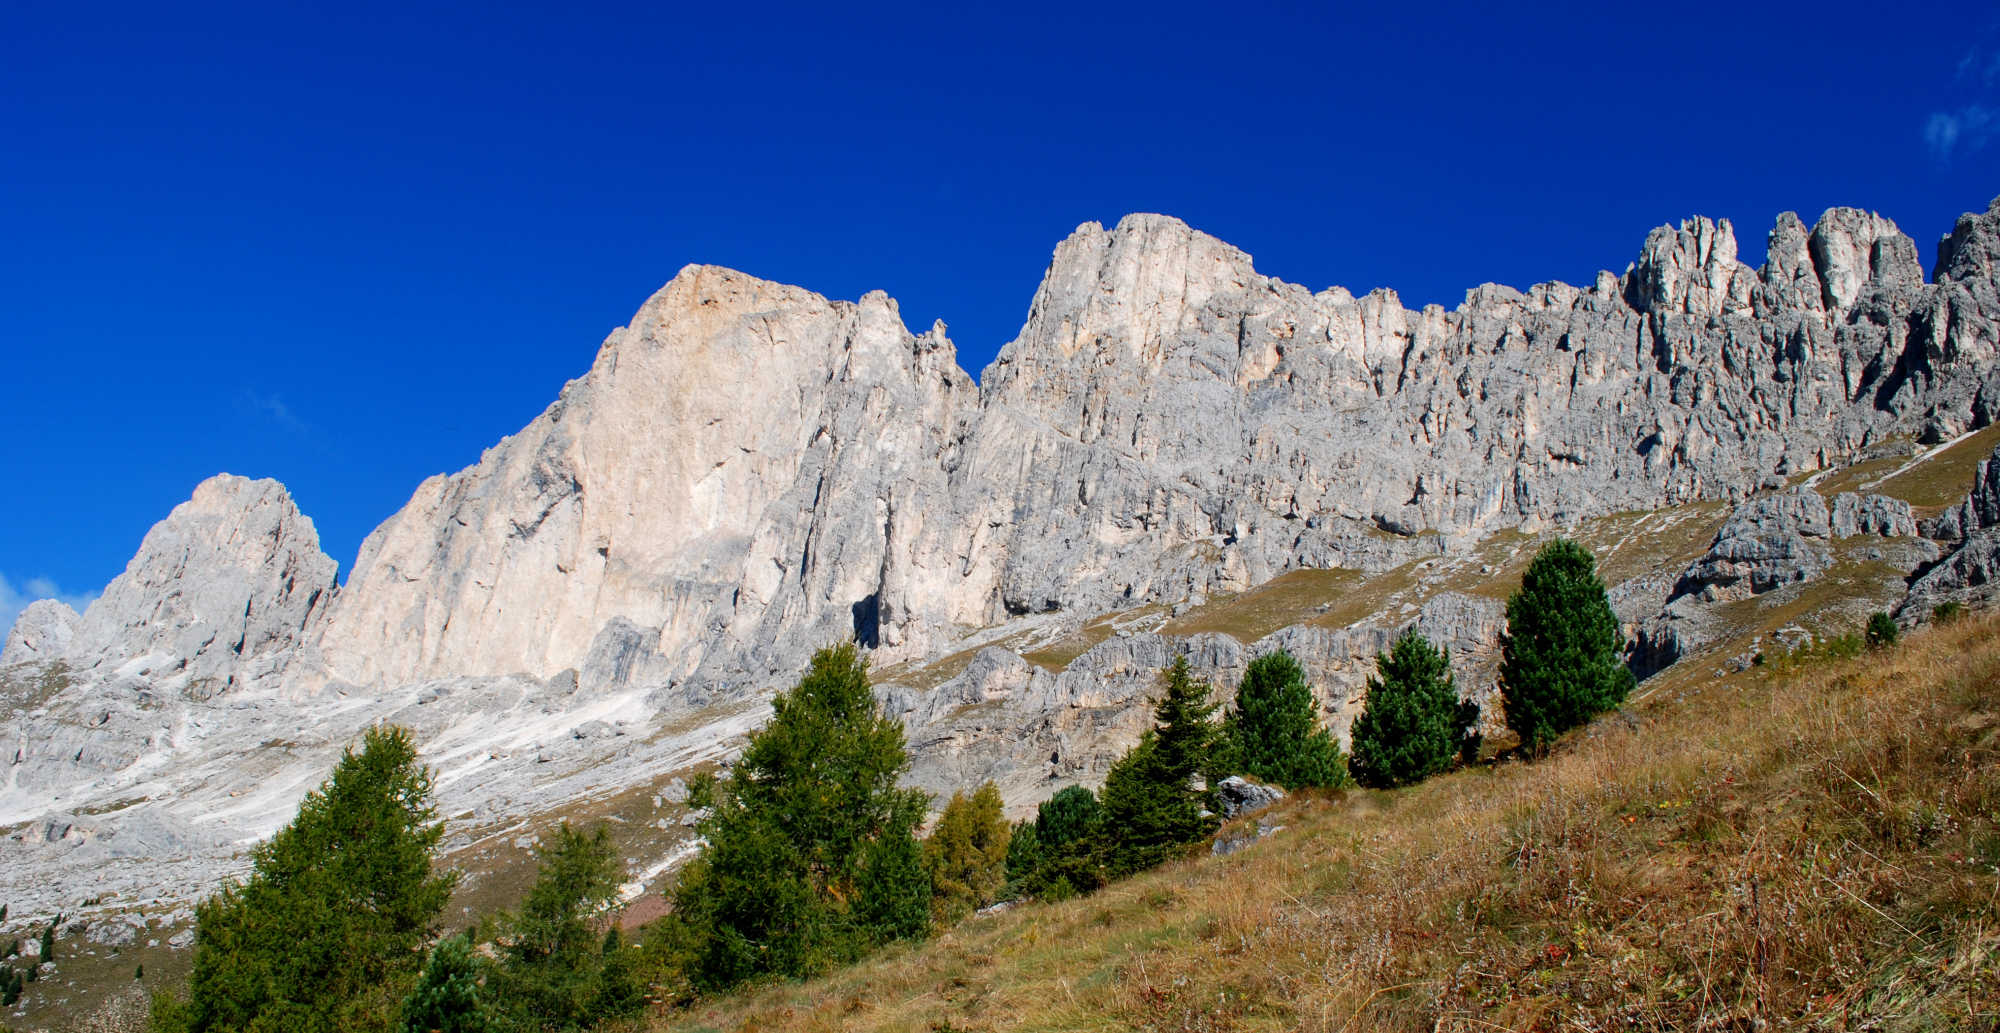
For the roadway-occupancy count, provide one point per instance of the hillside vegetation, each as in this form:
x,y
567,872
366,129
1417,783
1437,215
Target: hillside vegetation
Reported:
x,y
1808,844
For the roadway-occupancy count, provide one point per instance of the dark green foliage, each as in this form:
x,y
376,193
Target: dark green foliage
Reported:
x,y
448,997
49,941
1056,856
1273,733
1943,613
551,975
1559,663
1881,631
896,890
1024,857
10,985
809,810
619,991
967,853
327,933
1469,740
1413,724
1153,809
139,972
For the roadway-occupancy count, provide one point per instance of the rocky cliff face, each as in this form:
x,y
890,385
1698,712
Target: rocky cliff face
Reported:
x,y
737,477
221,594
749,470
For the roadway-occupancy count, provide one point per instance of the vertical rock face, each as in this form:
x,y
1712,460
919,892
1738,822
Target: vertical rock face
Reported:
x,y
221,593
737,477
749,470
1692,272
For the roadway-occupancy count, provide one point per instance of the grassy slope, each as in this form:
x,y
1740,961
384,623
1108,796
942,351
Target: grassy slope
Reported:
x,y
1816,848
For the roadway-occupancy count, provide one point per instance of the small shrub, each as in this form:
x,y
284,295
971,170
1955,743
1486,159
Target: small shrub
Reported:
x,y
1946,612
1881,631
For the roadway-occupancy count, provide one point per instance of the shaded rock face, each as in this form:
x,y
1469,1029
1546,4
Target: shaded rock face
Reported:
x,y
1970,573
1784,539
1032,731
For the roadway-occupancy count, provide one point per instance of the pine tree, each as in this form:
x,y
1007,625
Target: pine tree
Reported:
x,y
1412,725
551,959
1559,663
1153,810
967,853
327,932
809,808
447,997
1274,734
1060,852
1024,859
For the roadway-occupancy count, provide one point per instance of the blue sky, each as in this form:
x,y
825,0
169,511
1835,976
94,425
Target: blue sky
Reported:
x,y
349,245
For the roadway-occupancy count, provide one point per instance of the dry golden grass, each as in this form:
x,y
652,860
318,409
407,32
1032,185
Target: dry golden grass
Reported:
x,y
1818,849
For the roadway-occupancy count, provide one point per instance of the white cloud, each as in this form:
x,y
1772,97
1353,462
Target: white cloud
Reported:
x,y
273,406
13,600
1962,130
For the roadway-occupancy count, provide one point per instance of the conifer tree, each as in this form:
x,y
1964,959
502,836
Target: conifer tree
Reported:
x,y
326,933
1412,725
810,807
1153,808
447,997
896,891
1060,850
1559,658
967,853
1273,733
618,992
552,962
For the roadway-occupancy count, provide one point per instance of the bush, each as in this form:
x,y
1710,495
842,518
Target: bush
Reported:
x,y
1559,664
1412,725
1273,733
1881,631
1946,612
447,996
327,933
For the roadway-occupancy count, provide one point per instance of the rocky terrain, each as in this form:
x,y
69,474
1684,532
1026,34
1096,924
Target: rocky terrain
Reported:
x,y
1177,455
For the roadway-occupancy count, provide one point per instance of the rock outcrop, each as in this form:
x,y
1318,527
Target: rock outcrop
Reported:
x,y
45,630
749,470
222,593
1970,573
